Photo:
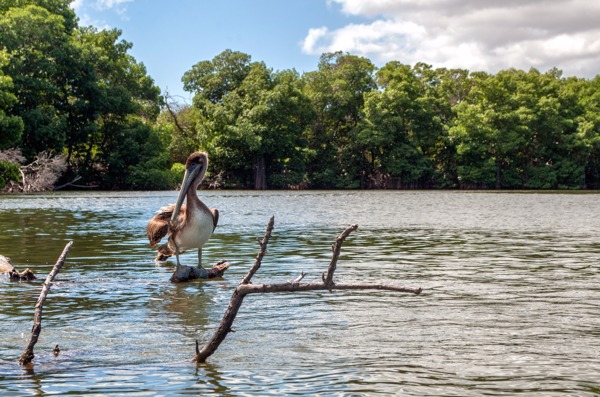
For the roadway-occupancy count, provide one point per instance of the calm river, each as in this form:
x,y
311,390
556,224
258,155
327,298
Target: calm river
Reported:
x,y
510,302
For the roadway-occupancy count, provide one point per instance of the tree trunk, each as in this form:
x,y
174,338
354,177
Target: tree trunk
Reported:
x,y
498,184
260,174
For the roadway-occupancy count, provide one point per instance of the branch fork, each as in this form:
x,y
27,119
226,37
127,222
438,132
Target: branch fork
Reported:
x,y
245,288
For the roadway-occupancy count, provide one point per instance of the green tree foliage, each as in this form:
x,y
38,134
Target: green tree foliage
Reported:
x,y
78,91
336,91
134,157
586,138
8,172
348,125
403,132
251,120
120,97
37,42
521,129
11,126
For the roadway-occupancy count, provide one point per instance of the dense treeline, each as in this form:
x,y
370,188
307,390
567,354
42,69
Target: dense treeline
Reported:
x,y
77,92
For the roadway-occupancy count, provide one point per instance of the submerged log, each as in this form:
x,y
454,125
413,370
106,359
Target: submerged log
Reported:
x,y
6,267
245,288
185,273
27,355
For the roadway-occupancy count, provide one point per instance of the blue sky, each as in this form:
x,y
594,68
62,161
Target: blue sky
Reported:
x,y
171,36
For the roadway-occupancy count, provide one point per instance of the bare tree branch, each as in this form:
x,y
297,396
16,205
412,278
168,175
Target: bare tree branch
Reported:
x,y
336,253
299,287
299,278
245,288
72,183
38,176
27,354
261,253
173,109
12,156
7,267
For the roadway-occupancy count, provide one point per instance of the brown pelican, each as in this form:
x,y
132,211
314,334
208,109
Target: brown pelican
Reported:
x,y
188,226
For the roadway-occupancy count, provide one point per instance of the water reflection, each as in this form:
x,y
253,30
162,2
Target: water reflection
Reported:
x,y
510,303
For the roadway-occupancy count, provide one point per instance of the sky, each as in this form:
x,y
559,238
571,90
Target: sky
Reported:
x,y
169,37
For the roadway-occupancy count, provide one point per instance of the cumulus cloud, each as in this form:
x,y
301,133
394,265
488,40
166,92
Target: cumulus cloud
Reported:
x,y
110,4
84,8
473,34
77,4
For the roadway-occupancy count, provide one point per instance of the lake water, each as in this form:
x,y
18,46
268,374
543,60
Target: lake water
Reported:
x,y
510,302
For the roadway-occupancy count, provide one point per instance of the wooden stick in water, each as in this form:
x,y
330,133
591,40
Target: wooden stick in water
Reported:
x,y
27,354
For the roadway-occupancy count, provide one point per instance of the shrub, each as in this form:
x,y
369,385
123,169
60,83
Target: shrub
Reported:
x,y
8,172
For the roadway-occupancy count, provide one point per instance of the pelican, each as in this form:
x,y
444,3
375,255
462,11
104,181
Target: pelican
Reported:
x,y
188,225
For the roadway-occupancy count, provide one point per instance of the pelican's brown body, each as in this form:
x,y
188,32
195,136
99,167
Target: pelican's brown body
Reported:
x,y
188,226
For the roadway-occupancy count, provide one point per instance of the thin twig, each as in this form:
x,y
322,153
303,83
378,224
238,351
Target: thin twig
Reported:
x,y
174,117
299,278
27,354
261,253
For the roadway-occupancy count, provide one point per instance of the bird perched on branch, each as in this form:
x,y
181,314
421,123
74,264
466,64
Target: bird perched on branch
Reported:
x,y
187,225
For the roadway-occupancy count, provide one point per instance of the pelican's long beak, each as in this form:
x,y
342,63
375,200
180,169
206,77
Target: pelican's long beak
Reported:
x,y
188,178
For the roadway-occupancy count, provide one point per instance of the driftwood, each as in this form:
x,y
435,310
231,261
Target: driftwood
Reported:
x,y
27,354
245,288
7,267
187,273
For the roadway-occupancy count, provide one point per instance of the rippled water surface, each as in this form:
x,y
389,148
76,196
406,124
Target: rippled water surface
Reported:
x,y
511,299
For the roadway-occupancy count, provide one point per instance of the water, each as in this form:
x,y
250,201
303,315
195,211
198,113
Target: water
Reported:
x,y
510,303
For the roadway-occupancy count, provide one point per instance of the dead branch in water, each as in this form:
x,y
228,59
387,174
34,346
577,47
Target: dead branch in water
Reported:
x,y
27,354
245,288
7,267
185,273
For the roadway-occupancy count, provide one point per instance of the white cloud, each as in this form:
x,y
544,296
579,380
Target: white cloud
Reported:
x,y
474,34
310,41
77,5
85,8
110,4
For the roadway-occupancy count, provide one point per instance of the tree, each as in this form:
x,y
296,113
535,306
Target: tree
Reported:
x,y
117,108
274,115
336,91
519,129
212,80
587,134
403,135
37,42
61,8
78,89
11,126
250,120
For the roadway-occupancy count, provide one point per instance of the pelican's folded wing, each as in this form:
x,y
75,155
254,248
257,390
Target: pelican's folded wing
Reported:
x,y
158,225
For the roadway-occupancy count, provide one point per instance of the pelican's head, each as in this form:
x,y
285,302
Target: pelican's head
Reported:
x,y
195,169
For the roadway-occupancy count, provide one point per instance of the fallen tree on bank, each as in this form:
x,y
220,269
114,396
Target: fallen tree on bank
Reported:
x,y
40,175
246,288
